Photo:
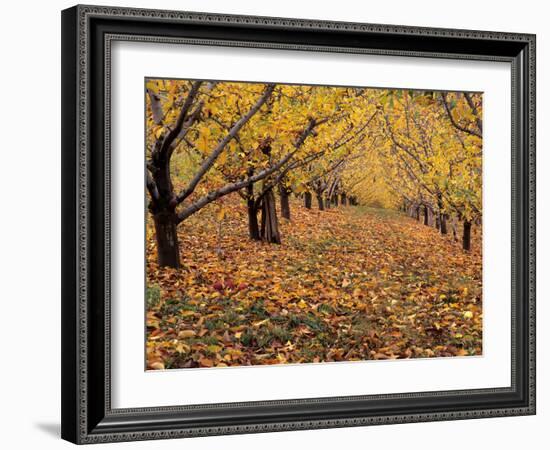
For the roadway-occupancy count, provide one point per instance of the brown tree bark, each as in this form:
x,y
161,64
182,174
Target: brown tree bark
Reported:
x,y
343,199
252,209
426,215
307,200
270,225
167,238
443,223
163,209
320,201
253,228
466,235
284,195
442,216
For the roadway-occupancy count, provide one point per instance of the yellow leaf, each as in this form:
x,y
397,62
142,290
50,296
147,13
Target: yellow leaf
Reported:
x,y
222,159
152,86
202,143
182,348
260,323
157,365
206,362
221,214
468,314
186,333
158,132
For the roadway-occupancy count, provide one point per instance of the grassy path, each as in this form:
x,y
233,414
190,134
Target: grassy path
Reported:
x,y
351,283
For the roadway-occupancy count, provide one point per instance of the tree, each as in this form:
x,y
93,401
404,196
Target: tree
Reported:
x,y
323,128
167,207
434,143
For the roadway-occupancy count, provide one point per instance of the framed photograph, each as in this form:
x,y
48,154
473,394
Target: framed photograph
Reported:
x,y
281,224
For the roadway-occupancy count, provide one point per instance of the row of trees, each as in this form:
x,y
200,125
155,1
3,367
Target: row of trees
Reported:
x,y
407,149
435,148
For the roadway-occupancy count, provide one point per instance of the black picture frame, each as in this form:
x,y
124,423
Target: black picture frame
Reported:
x,y
87,416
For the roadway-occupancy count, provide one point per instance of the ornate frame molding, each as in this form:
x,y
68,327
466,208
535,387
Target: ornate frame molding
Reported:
x,y
77,423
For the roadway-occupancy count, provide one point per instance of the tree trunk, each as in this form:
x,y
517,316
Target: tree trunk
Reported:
x,y
335,199
466,233
417,213
343,199
270,224
442,216
159,183
307,200
253,228
443,223
437,222
425,215
252,207
320,202
284,194
167,239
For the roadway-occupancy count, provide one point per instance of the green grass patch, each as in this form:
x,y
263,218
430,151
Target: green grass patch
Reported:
x,y
152,296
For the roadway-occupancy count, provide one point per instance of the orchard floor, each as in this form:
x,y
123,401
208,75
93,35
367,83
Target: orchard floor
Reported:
x,y
346,284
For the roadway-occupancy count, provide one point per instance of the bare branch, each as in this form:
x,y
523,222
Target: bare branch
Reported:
x,y
470,102
192,118
156,107
288,168
453,121
166,145
152,187
229,188
404,147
